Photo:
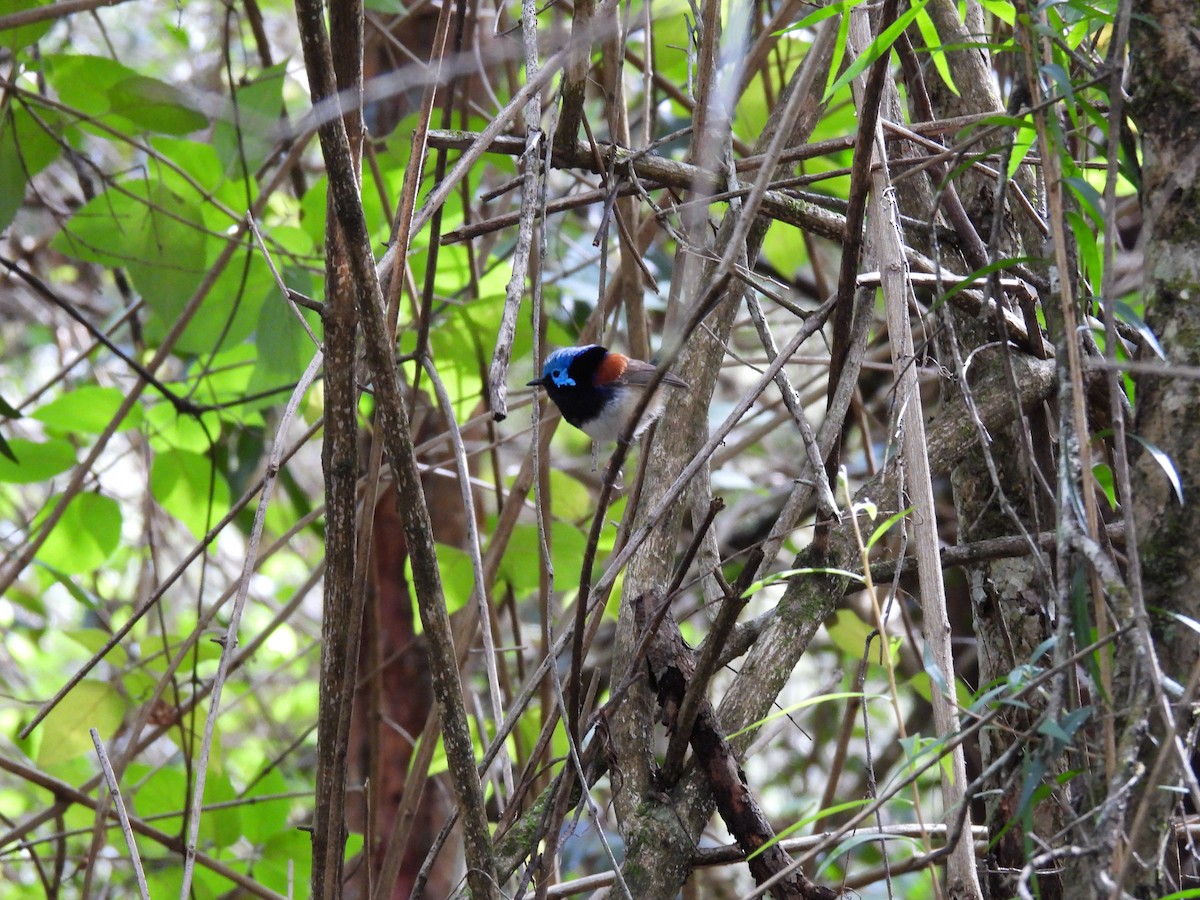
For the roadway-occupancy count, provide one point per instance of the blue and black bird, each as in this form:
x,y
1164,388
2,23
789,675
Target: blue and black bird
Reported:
x,y
597,390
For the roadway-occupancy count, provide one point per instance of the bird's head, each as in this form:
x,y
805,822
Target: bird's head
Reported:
x,y
582,381
571,370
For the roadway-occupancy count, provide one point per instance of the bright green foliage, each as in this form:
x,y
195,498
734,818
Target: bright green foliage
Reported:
x,y
34,461
188,486
87,409
86,535
65,735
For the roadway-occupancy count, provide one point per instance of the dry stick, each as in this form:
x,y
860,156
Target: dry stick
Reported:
x,y
575,75
18,831
114,788
478,147
184,650
229,642
117,136
671,351
826,502
868,98
630,262
732,853
120,634
69,794
480,589
169,341
401,239
425,317
576,754
670,668
59,10
809,327
141,611
346,550
418,774
531,158
393,419
1120,446
508,219
1076,396
126,314
43,290
694,696
961,872
83,470
960,822
948,436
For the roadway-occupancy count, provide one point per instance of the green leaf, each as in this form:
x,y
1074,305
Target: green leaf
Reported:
x,y
225,380
520,566
788,573
458,576
93,640
90,704
980,274
186,485
857,840
1059,76
286,861
811,701
24,35
159,238
937,52
820,15
25,149
248,129
1001,9
284,348
1089,247
808,820
87,534
155,105
33,461
1103,475
88,410
85,598
849,634
886,525
1165,463
1023,141
169,429
1089,199
922,683
120,98
263,818
161,794
1128,314
570,500
876,49
221,826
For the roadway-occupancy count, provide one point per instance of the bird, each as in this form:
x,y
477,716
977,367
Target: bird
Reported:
x,y
597,390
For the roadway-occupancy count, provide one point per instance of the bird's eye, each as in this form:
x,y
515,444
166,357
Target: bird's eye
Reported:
x,y
561,378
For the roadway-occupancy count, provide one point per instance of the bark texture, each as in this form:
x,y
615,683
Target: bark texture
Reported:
x,y
1166,69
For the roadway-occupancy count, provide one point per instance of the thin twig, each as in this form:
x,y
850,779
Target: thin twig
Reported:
x,y
229,642
122,814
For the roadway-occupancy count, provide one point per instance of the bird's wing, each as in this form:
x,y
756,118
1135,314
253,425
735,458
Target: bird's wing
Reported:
x,y
639,373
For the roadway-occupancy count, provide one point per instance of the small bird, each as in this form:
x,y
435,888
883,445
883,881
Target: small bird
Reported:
x,y
597,390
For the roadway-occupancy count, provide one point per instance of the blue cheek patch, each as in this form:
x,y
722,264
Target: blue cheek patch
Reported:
x,y
561,378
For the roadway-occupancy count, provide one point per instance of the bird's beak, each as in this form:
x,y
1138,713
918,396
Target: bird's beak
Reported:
x,y
537,382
